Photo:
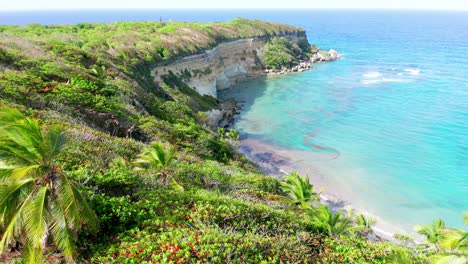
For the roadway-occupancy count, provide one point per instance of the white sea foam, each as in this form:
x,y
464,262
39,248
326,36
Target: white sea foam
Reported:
x,y
393,80
413,71
383,80
370,81
372,75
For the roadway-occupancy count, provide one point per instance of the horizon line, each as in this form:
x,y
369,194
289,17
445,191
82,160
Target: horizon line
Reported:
x,y
239,9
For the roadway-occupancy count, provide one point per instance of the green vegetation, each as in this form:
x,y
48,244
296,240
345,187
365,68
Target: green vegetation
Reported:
x,y
450,243
364,223
156,157
300,191
165,188
281,52
37,200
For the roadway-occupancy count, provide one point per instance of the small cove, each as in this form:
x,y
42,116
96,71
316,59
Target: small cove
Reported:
x,y
386,131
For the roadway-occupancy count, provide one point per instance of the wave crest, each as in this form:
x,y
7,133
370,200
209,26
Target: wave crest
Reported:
x,y
413,71
372,75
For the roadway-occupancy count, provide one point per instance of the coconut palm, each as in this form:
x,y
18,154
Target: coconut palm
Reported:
x,y
300,191
455,239
433,232
363,222
157,157
449,259
38,202
332,223
221,132
401,256
233,134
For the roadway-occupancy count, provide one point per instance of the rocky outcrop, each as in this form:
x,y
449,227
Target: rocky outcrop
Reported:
x,y
226,64
221,67
318,56
330,55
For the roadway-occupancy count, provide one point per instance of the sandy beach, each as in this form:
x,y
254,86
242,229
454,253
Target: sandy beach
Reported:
x,y
277,162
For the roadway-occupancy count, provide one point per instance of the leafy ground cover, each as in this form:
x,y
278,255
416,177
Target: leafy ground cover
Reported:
x,y
166,188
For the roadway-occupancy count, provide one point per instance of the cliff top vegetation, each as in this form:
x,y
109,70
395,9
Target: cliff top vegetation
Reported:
x,y
165,188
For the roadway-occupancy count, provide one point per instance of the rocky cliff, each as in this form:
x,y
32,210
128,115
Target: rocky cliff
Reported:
x,y
222,66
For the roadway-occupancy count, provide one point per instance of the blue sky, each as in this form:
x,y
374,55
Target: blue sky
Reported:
x,y
245,4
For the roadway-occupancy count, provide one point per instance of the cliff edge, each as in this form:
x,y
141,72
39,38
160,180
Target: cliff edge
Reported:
x,y
109,74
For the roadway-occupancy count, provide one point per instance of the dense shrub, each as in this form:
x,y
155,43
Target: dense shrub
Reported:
x,y
281,52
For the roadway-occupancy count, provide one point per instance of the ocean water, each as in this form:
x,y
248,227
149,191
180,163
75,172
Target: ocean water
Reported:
x,y
389,121
390,118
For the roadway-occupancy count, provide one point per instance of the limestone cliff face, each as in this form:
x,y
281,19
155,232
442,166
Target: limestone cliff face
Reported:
x,y
222,66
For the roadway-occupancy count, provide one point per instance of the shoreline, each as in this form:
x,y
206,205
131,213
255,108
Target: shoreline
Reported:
x,y
276,162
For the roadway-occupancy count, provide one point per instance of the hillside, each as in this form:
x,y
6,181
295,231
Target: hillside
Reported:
x,y
210,205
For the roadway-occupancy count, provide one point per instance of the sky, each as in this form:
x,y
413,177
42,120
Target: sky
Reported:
x,y
236,4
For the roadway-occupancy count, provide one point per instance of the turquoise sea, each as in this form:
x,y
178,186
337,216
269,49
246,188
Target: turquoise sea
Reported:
x,y
389,121
390,118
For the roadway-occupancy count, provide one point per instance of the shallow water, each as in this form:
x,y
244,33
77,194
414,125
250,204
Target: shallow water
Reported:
x,y
390,119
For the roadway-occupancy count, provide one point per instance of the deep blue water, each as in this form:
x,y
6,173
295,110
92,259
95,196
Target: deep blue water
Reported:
x,y
392,115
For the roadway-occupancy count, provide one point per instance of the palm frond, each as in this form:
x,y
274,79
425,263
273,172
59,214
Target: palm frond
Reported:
x,y
175,185
35,219
75,207
454,239
11,174
364,222
300,191
32,255
14,224
432,231
10,197
333,223
62,236
13,154
87,214
9,116
35,196
21,139
401,256
54,140
449,259
120,162
155,156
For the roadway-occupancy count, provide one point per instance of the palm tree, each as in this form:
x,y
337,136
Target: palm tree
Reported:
x,y
449,259
332,223
433,232
221,132
300,191
455,239
157,157
233,134
401,256
37,199
364,223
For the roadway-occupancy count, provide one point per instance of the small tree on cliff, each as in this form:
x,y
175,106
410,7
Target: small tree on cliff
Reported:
x,y
157,157
300,191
